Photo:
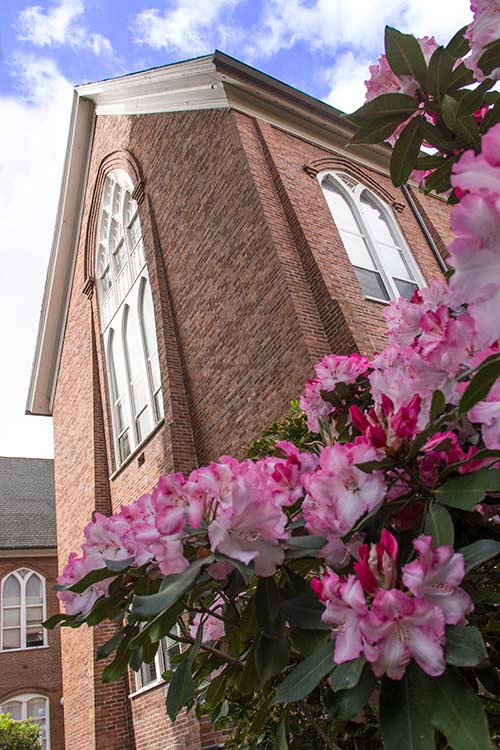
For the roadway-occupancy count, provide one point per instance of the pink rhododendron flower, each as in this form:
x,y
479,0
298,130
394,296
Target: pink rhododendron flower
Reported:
x,y
377,563
345,606
440,450
75,569
436,576
399,628
338,493
177,503
104,540
316,408
248,524
337,553
383,81
213,627
480,173
487,414
286,473
169,555
485,28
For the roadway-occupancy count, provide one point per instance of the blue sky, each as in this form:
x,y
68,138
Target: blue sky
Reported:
x,y
323,47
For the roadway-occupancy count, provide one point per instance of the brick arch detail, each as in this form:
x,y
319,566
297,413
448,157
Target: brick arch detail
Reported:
x,y
115,160
337,163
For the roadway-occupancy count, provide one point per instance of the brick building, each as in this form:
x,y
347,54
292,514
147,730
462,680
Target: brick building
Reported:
x,y
30,657
215,238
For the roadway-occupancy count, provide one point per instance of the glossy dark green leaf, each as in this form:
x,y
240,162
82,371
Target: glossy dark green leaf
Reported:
x,y
378,130
480,385
464,646
472,100
271,656
172,589
267,598
404,55
306,542
462,76
346,676
305,676
116,669
181,689
438,405
440,72
458,46
248,623
345,704
479,552
405,707
491,118
370,466
458,714
304,612
216,691
465,126
466,491
248,678
490,59
281,742
106,649
51,622
438,525
405,152
384,106
305,642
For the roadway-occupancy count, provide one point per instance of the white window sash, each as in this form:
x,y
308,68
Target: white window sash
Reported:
x,y
23,607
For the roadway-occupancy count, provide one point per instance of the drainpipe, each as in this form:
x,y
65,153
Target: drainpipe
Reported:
x,y
423,226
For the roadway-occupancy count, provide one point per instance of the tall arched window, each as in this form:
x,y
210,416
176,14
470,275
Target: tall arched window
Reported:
x,y
373,241
127,317
30,706
23,610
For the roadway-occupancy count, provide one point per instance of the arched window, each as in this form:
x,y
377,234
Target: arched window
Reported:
x,y
127,317
23,610
373,241
30,706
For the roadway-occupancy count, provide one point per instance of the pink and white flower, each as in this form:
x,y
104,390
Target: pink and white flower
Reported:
x,y
213,627
345,607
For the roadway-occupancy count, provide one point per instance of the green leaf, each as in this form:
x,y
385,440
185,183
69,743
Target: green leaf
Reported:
x,y
490,59
458,46
51,622
479,552
306,542
440,72
370,466
458,714
248,621
491,118
249,677
216,691
107,648
465,126
462,76
267,598
305,676
271,656
280,742
438,525
119,566
95,576
346,676
480,385
116,669
405,152
438,405
304,612
466,491
181,689
405,707
172,589
305,642
384,106
464,646
472,100
438,136
345,704
378,130
404,55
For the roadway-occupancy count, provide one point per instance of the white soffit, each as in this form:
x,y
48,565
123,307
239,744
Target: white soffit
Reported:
x,y
211,82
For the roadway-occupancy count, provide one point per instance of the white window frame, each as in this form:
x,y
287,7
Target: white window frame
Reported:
x,y
24,698
125,294
353,198
23,580
161,662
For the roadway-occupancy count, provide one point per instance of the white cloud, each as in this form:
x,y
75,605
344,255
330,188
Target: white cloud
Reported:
x,y
61,25
190,27
30,172
346,82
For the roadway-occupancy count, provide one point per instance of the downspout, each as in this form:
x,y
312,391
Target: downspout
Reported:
x,y
423,226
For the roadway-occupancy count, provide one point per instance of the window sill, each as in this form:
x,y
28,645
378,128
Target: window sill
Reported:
x,y
378,301
147,688
137,450
26,648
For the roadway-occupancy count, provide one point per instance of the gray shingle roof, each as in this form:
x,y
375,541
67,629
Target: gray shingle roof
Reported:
x,y
27,504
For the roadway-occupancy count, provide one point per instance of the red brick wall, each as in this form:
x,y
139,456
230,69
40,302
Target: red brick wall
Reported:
x,y
36,670
251,286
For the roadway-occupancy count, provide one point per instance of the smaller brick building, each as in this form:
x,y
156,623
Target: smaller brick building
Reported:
x,y
30,657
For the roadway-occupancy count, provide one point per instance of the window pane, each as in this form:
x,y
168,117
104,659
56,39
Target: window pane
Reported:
x,y
34,615
11,617
148,318
37,708
371,284
15,708
134,232
357,250
376,221
139,393
11,592
154,364
120,256
11,639
169,648
34,636
148,673
130,208
117,199
34,593
124,446
117,367
159,404
143,423
405,288
341,211
394,262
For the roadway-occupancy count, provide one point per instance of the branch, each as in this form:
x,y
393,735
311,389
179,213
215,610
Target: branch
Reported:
x,y
215,651
314,723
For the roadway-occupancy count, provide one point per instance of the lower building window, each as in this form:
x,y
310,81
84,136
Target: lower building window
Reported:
x,y
30,706
151,673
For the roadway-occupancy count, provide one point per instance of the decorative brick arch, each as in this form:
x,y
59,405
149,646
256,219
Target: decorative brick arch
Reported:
x,y
337,163
115,160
